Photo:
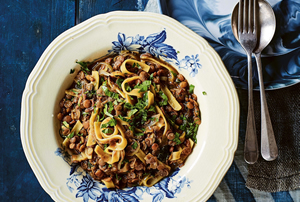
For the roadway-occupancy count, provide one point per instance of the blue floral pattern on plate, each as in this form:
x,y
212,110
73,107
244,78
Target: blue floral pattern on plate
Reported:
x,y
211,20
82,183
89,189
154,44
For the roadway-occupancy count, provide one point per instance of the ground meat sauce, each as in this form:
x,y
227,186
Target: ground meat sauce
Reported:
x,y
156,116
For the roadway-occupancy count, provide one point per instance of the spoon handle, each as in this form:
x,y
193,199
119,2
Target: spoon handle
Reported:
x,y
251,147
269,149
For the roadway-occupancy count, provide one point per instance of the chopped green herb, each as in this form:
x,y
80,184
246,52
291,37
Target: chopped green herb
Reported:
x,y
106,112
70,135
174,74
101,81
151,108
85,113
105,146
204,93
127,87
143,86
178,51
98,118
90,165
123,118
112,122
119,82
132,112
176,139
109,165
191,90
74,91
107,131
136,65
139,134
164,97
154,119
111,107
155,88
66,124
151,76
117,177
72,71
115,102
80,135
84,66
109,93
134,145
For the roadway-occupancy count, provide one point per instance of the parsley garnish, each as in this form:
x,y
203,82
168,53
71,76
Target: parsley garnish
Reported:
x,y
105,146
191,88
151,108
123,118
132,112
109,165
134,145
109,93
176,139
72,71
143,86
117,177
204,93
136,65
70,135
139,134
85,113
127,87
119,82
107,112
66,124
164,97
112,122
151,76
90,165
174,74
84,66
80,135
74,91
107,131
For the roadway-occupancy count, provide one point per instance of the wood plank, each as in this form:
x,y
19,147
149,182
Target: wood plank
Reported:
x,y
90,8
27,28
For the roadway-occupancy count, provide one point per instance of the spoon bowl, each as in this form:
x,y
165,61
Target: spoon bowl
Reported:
x,y
267,22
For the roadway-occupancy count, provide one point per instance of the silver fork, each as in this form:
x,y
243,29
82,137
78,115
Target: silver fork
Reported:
x,y
247,31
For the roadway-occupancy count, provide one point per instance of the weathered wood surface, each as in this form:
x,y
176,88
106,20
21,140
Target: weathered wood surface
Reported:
x,y
27,27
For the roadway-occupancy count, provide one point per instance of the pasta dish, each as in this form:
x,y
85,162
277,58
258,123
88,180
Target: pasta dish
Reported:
x,y
129,119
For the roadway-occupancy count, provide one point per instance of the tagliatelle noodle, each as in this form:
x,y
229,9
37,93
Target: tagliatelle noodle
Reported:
x,y
91,138
75,130
142,65
171,99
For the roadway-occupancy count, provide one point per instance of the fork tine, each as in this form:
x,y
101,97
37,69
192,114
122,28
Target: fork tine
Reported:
x,y
240,17
245,19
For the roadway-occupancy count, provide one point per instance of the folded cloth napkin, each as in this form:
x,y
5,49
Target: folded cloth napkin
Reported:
x,y
282,174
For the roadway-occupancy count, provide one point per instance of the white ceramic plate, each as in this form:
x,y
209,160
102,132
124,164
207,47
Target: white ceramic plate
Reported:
x,y
164,37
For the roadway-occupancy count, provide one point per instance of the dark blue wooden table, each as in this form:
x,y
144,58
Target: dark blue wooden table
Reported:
x,y
27,28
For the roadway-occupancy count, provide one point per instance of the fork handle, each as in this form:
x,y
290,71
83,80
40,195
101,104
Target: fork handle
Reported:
x,y
251,146
269,150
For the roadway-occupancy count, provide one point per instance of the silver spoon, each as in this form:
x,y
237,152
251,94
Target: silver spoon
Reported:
x,y
266,30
